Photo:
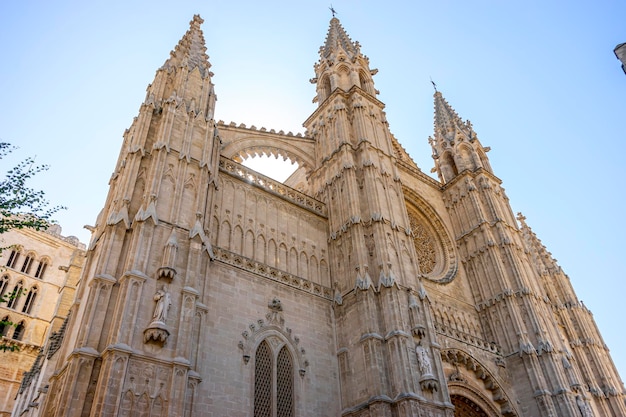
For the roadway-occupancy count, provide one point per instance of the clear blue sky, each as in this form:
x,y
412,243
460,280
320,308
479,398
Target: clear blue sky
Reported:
x,y
538,79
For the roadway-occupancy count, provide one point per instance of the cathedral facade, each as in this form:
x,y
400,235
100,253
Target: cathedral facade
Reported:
x,y
358,287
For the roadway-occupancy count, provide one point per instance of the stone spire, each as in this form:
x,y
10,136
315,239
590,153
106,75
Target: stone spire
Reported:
x,y
455,145
337,39
191,50
446,118
185,76
341,65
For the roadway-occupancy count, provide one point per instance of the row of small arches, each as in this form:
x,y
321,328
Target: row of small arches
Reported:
x,y
13,297
26,265
272,253
452,321
142,405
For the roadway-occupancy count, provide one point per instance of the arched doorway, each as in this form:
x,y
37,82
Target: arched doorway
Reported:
x,y
464,407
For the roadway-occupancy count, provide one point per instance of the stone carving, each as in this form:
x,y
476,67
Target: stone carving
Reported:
x,y
363,280
424,246
163,303
275,315
458,358
424,361
338,298
434,240
583,406
157,332
230,258
168,270
275,332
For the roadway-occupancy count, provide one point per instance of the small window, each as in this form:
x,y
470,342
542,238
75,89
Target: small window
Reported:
x,y
5,324
27,263
15,294
19,331
4,283
15,254
30,300
41,269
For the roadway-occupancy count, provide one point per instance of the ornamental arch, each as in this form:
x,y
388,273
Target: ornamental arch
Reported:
x,y
434,248
241,142
474,390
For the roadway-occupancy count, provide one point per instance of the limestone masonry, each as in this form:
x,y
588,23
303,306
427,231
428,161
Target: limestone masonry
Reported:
x,y
359,287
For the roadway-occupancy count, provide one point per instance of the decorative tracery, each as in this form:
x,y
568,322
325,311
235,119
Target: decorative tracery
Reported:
x,y
424,246
435,252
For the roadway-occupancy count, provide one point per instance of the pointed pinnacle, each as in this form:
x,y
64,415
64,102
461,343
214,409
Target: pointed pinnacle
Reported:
x,y
190,51
338,38
446,118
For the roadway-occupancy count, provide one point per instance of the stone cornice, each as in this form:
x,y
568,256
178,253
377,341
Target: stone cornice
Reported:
x,y
473,174
344,94
258,268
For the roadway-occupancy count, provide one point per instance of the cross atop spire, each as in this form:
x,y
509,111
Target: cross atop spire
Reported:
x,y
191,50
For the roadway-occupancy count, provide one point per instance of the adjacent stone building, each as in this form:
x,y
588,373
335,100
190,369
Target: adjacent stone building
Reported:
x,y
359,287
39,272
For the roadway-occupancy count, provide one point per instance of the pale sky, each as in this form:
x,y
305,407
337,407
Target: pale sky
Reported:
x,y
538,80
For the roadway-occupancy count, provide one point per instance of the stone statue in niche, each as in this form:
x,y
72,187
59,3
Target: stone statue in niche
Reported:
x,y
424,361
163,302
157,332
583,406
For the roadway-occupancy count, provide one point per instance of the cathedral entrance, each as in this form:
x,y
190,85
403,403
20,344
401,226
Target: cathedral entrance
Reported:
x,y
464,407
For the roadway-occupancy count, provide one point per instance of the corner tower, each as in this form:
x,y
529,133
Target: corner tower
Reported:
x,y
388,362
524,302
148,247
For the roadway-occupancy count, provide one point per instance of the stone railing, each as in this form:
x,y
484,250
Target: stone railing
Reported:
x,y
271,186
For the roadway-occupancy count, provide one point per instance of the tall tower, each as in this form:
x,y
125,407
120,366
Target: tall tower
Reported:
x,y
148,244
525,302
387,361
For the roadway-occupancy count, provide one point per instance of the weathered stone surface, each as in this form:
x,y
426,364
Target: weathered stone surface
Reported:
x,y
359,287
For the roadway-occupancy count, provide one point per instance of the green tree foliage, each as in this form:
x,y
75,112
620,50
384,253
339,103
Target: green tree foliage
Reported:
x,y
20,205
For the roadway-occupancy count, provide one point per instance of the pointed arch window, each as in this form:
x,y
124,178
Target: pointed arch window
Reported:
x,y
4,283
18,333
5,324
30,300
41,268
15,254
324,89
28,262
15,294
273,382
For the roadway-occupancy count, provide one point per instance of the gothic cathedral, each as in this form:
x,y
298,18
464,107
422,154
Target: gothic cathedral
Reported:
x,y
359,287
